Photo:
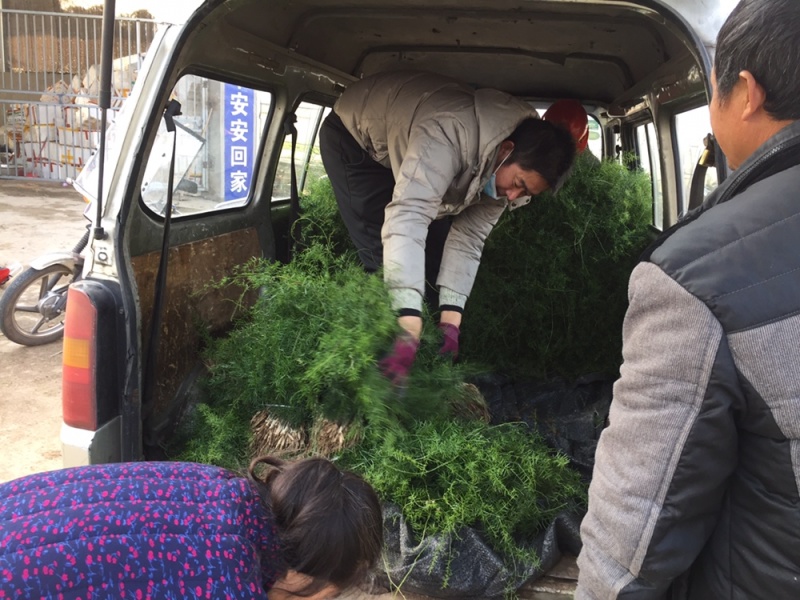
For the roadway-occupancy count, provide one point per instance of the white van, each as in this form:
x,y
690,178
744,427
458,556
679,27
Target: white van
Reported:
x,y
242,70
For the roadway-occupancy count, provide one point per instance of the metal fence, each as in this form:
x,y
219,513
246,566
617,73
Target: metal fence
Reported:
x,y
50,73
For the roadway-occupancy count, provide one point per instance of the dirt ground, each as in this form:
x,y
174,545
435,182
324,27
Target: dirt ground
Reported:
x,y
36,217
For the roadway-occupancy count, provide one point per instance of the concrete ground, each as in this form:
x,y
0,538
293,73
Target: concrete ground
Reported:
x,y
36,217
41,216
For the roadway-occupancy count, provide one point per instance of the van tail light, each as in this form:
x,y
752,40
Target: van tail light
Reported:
x,y
79,392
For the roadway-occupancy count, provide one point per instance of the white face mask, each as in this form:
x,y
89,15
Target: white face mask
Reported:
x,y
490,189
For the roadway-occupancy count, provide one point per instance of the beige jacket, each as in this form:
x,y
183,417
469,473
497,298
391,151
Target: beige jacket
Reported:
x,y
440,138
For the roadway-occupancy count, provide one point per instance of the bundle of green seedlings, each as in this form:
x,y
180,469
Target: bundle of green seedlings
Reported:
x,y
551,291
308,348
502,479
307,352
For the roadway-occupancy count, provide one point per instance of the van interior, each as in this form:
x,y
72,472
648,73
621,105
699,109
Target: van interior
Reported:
x,y
242,69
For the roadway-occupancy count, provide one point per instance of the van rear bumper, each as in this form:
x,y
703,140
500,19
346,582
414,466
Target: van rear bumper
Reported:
x,y
83,447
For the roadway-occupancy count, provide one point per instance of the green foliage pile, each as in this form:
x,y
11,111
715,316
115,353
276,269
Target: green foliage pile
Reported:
x,y
308,349
320,221
551,292
502,479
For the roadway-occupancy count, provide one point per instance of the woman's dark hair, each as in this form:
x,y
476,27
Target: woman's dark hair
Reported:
x,y
763,37
543,147
329,521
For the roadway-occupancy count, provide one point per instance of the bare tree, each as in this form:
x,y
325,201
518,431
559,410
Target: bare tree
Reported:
x,y
35,5
97,9
65,6
140,14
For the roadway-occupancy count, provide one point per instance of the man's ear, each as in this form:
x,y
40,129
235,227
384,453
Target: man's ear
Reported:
x,y
755,95
506,148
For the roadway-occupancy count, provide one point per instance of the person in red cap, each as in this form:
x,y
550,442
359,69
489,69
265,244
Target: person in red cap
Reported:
x,y
422,167
571,115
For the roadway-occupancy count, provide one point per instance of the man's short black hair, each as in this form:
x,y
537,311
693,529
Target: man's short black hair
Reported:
x,y
763,37
542,147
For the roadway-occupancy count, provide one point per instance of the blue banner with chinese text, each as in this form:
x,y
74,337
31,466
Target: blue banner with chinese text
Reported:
x,y
238,145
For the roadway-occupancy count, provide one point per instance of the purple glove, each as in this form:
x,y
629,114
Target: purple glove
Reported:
x,y
449,346
396,366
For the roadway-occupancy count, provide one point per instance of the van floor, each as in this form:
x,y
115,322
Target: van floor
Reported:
x,y
558,584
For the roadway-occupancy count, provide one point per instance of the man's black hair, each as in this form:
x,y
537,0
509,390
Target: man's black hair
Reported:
x,y
543,147
763,37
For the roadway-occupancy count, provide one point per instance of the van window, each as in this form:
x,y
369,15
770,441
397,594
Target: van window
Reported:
x,y
217,137
691,127
595,145
647,150
307,158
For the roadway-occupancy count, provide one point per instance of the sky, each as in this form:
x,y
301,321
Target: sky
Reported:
x,y
171,11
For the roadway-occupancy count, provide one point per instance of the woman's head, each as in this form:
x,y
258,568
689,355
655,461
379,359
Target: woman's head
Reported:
x,y
329,521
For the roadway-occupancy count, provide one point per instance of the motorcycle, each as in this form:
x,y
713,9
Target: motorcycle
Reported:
x,y
32,307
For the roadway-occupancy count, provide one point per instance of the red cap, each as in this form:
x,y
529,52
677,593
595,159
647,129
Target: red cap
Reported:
x,y
571,115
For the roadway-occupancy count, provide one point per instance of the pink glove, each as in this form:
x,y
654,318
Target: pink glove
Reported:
x,y
449,345
396,366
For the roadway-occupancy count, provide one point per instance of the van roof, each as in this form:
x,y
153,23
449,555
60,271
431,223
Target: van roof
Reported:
x,y
592,50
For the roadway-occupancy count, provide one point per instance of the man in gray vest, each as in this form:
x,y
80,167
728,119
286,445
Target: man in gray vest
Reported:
x,y
695,492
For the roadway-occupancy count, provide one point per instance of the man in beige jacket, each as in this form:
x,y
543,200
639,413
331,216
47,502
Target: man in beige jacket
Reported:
x,y
422,167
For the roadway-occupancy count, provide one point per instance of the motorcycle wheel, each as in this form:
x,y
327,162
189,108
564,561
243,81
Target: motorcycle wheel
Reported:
x,y
32,307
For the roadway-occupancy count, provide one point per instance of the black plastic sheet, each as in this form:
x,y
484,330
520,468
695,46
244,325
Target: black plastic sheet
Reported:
x,y
570,417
